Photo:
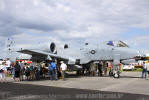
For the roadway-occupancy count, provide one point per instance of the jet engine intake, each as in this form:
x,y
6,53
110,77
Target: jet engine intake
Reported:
x,y
65,46
53,48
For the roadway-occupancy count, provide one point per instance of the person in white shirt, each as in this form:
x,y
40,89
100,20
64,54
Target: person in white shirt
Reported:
x,y
3,71
22,70
144,70
8,62
147,66
63,68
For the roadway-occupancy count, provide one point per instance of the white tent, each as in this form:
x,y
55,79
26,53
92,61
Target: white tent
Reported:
x,y
24,56
147,55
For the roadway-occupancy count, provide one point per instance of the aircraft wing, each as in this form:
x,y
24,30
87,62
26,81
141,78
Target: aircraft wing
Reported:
x,y
41,53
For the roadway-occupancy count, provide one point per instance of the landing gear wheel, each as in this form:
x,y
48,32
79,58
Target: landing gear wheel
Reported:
x,y
116,75
110,73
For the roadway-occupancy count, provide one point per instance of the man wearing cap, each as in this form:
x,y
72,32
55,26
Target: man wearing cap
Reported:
x,y
63,68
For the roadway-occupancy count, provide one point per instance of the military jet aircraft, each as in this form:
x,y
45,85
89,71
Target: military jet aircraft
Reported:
x,y
108,51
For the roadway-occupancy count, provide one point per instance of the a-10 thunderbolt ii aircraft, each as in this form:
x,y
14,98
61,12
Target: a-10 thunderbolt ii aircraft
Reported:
x,y
86,54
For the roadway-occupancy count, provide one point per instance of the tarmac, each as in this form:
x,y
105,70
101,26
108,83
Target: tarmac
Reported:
x,y
129,82
129,85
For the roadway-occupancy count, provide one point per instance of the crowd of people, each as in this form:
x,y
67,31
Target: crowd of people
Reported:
x,y
98,68
21,71
52,70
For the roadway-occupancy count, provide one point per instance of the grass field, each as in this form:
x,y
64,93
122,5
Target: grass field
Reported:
x,y
135,70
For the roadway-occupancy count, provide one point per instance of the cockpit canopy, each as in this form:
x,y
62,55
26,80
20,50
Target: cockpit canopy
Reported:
x,y
117,44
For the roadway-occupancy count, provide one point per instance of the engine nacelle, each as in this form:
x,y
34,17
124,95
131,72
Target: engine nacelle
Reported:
x,y
53,48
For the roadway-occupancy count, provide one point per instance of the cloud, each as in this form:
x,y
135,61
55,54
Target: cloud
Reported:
x,y
31,21
140,42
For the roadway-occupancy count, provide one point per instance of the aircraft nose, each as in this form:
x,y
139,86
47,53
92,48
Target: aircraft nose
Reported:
x,y
134,53
140,53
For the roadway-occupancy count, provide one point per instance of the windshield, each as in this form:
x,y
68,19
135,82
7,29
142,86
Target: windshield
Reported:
x,y
117,44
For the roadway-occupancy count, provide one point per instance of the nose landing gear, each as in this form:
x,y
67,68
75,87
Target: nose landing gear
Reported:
x,y
114,73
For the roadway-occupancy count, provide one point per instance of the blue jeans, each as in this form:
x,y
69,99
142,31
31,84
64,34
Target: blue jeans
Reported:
x,y
52,74
144,71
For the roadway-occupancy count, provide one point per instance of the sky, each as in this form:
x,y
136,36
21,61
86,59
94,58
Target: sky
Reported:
x,y
34,22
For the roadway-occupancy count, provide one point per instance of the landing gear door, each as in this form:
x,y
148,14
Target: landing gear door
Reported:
x,y
116,61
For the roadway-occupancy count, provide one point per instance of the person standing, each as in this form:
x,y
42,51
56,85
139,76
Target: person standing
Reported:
x,y
52,70
144,70
147,66
8,63
17,71
99,69
105,66
27,72
63,68
12,70
59,75
32,71
22,70
93,68
3,71
37,71
44,70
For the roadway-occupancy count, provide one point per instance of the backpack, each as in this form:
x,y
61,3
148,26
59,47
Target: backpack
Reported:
x,y
1,70
17,67
31,68
27,72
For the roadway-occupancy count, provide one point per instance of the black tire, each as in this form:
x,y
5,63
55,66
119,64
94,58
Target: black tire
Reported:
x,y
116,76
110,73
